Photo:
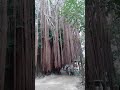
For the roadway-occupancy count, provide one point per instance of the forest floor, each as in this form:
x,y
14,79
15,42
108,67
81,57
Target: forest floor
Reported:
x,y
58,82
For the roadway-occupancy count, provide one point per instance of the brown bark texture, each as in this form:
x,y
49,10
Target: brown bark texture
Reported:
x,y
24,45
3,40
98,62
60,41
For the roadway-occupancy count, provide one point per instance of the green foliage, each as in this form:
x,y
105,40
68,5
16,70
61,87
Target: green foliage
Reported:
x,y
74,13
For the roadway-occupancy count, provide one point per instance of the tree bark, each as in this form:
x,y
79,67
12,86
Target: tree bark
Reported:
x,y
24,45
3,40
98,63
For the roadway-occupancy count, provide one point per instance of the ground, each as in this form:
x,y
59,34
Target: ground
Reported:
x,y
58,82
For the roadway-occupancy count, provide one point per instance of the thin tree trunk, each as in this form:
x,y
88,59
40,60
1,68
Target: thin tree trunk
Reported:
x,y
36,41
61,44
82,68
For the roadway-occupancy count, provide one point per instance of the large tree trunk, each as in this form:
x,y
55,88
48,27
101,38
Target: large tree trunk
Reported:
x,y
99,64
24,46
3,40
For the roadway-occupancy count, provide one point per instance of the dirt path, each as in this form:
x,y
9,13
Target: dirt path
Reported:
x,y
57,82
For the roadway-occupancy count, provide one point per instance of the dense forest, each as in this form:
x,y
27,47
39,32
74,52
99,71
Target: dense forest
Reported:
x,y
39,37
58,34
101,45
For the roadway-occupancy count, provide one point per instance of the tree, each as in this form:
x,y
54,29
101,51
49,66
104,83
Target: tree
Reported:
x,y
21,39
3,40
98,63
74,12
24,45
57,41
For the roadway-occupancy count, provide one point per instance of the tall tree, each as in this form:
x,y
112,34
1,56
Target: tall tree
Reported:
x,y
57,37
99,63
24,46
3,40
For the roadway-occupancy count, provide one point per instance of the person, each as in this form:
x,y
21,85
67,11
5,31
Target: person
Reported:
x,y
69,68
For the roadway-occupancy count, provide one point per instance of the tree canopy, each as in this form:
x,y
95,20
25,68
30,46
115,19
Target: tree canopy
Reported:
x,y
74,13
